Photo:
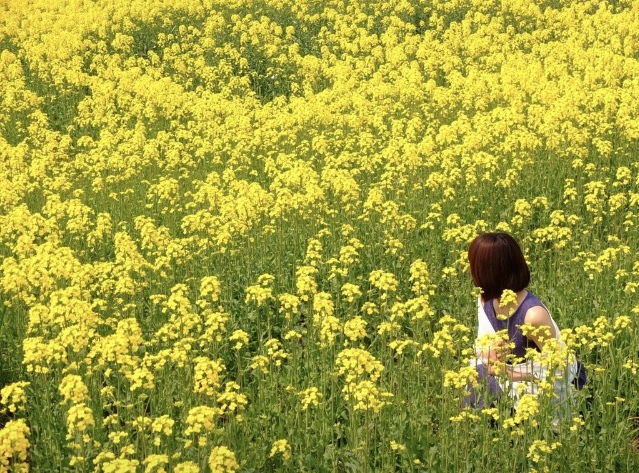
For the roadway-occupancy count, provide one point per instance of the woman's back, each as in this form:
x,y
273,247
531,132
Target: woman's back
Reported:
x,y
514,322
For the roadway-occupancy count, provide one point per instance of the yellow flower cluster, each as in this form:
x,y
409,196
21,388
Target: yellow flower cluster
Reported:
x,y
384,281
540,448
261,292
463,415
361,371
443,340
231,400
351,292
461,378
79,422
240,337
155,463
281,447
324,319
187,467
161,425
13,397
201,419
275,351
598,334
355,329
310,397
223,460
14,446
73,389
206,375
527,409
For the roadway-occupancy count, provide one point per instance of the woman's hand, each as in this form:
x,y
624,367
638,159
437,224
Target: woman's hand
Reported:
x,y
495,357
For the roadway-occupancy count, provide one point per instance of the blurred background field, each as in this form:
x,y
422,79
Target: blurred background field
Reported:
x,y
233,234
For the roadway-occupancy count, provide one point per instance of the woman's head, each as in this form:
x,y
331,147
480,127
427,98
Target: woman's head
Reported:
x,y
497,263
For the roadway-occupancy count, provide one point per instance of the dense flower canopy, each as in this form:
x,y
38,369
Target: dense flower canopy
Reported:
x,y
233,233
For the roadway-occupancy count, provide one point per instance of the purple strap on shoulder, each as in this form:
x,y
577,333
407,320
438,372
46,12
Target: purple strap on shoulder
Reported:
x,y
513,322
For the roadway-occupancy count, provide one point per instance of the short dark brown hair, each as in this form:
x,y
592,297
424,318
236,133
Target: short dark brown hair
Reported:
x,y
497,263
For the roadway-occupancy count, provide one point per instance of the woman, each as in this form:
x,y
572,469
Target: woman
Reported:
x,y
497,267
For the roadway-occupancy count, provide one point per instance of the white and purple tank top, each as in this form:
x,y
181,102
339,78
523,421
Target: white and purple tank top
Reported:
x,y
514,322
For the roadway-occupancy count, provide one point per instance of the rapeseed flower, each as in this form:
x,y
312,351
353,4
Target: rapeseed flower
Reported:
x,y
355,329
281,447
79,420
14,446
13,397
223,460
187,467
310,397
200,419
206,375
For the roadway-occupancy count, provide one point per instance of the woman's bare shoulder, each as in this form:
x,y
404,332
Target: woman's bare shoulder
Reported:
x,y
538,315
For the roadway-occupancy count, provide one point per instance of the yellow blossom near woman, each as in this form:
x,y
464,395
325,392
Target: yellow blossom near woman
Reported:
x,y
527,410
356,362
539,449
460,379
420,278
465,414
365,395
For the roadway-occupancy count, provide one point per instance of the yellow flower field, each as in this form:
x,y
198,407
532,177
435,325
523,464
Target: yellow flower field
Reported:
x,y
233,233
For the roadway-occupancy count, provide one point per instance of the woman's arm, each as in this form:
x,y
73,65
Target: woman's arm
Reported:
x,y
539,318
513,373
